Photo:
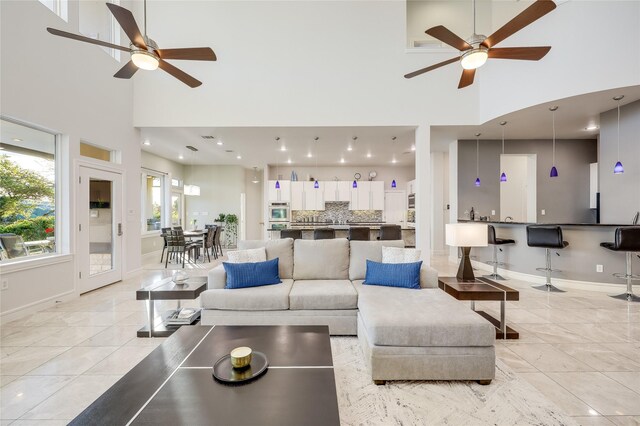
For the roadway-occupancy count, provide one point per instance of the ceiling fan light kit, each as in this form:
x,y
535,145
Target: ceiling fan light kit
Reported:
x,y
475,51
145,53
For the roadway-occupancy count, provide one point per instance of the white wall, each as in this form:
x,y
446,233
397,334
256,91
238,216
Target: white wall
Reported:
x,y
66,87
255,205
220,189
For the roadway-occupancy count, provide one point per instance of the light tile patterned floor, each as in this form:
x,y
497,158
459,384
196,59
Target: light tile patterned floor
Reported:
x,y
580,349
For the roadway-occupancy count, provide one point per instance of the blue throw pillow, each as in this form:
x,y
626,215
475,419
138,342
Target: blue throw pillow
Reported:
x,y
250,274
406,275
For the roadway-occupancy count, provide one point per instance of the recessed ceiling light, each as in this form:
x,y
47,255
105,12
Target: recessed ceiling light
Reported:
x,y
289,161
413,147
16,140
394,161
349,148
219,143
368,155
147,143
591,127
180,157
239,157
342,160
283,148
309,155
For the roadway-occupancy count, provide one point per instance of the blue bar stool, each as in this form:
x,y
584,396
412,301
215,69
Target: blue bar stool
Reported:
x,y
627,239
495,242
547,237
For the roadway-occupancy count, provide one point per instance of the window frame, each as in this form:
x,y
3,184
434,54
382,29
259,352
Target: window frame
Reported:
x,y
60,225
164,208
61,8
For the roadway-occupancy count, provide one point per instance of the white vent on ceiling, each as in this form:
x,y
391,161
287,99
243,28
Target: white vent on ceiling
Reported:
x,y
192,148
207,137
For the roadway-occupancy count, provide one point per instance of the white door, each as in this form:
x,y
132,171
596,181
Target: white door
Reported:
x,y
100,228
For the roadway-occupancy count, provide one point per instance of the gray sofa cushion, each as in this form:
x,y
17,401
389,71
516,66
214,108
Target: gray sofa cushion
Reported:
x,y
266,298
282,249
426,317
363,250
321,259
323,294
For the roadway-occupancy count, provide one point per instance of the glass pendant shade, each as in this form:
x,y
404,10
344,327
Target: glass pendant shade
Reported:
x,y
554,172
355,184
277,184
503,177
478,181
316,185
618,169
393,183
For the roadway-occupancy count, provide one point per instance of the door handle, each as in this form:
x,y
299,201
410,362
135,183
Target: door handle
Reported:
x,y
119,229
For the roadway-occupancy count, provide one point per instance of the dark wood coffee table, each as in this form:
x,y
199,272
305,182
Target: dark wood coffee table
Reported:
x,y
483,289
166,289
174,384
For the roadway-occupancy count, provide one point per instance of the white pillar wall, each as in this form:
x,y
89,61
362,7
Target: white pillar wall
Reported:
x,y
437,203
423,191
453,191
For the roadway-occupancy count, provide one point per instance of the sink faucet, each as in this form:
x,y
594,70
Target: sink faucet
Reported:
x,y
508,218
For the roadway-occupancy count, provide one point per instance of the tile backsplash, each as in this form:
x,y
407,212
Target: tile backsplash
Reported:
x,y
339,212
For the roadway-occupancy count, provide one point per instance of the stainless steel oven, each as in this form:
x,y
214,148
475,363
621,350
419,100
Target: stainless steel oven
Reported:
x,y
279,212
412,201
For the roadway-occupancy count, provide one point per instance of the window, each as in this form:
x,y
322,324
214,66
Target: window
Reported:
x,y
92,151
27,191
59,7
153,201
97,22
176,209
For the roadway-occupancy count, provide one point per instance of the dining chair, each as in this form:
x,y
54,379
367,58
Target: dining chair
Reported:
x,y
164,233
216,240
208,243
178,246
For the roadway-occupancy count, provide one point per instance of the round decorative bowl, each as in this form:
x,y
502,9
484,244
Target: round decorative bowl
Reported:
x,y
180,278
241,357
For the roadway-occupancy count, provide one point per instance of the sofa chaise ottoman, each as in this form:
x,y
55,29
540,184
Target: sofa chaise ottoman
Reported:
x,y
405,334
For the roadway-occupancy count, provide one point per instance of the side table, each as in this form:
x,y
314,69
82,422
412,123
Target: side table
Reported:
x,y
166,289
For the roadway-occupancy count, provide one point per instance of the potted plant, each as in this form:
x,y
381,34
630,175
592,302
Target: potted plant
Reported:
x,y
221,218
230,230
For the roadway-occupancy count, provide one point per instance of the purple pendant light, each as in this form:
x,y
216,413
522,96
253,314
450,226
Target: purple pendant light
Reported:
x,y
503,176
355,184
277,184
477,182
618,169
316,185
277,167
393,183
554,172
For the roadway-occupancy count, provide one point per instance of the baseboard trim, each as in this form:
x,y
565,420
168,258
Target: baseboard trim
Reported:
x,y
39,305
559,282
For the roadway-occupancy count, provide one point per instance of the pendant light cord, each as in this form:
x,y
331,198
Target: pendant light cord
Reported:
x,y
553,121
477,157
474,17
618,130
145,18
503,140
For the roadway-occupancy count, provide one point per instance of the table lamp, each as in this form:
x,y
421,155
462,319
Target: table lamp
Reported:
x,y
466,235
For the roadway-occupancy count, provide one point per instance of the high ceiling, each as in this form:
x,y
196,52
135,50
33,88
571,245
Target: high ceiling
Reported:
x,y
573,116
257,146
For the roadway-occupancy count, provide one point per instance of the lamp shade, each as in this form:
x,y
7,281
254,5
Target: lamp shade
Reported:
x,y
467,234
192,190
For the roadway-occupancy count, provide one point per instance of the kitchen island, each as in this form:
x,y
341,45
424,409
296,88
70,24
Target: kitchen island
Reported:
x,y
579,262
342,230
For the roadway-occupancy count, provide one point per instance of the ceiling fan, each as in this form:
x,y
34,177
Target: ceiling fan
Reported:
x,y
145,53
475,51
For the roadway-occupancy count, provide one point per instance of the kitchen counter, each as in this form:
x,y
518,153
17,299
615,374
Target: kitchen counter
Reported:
x,y
495,222
312,227
342,231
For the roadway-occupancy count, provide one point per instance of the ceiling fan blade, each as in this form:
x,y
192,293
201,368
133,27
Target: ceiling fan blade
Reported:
x,y
127,71
179,74
531,14
432,67
86,39
128,23
467,78
523,53
446,36
190,53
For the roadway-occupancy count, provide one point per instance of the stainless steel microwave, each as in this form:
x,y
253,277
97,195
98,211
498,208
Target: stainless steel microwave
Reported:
x,y
279,212
412,201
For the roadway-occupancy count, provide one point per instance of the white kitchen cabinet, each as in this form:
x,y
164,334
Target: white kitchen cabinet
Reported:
x,y
411,187
297,195
330,190
344,190
283,194
377,195
313,197
361,196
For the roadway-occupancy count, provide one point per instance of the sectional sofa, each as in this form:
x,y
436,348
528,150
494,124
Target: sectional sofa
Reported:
x,y
405,334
